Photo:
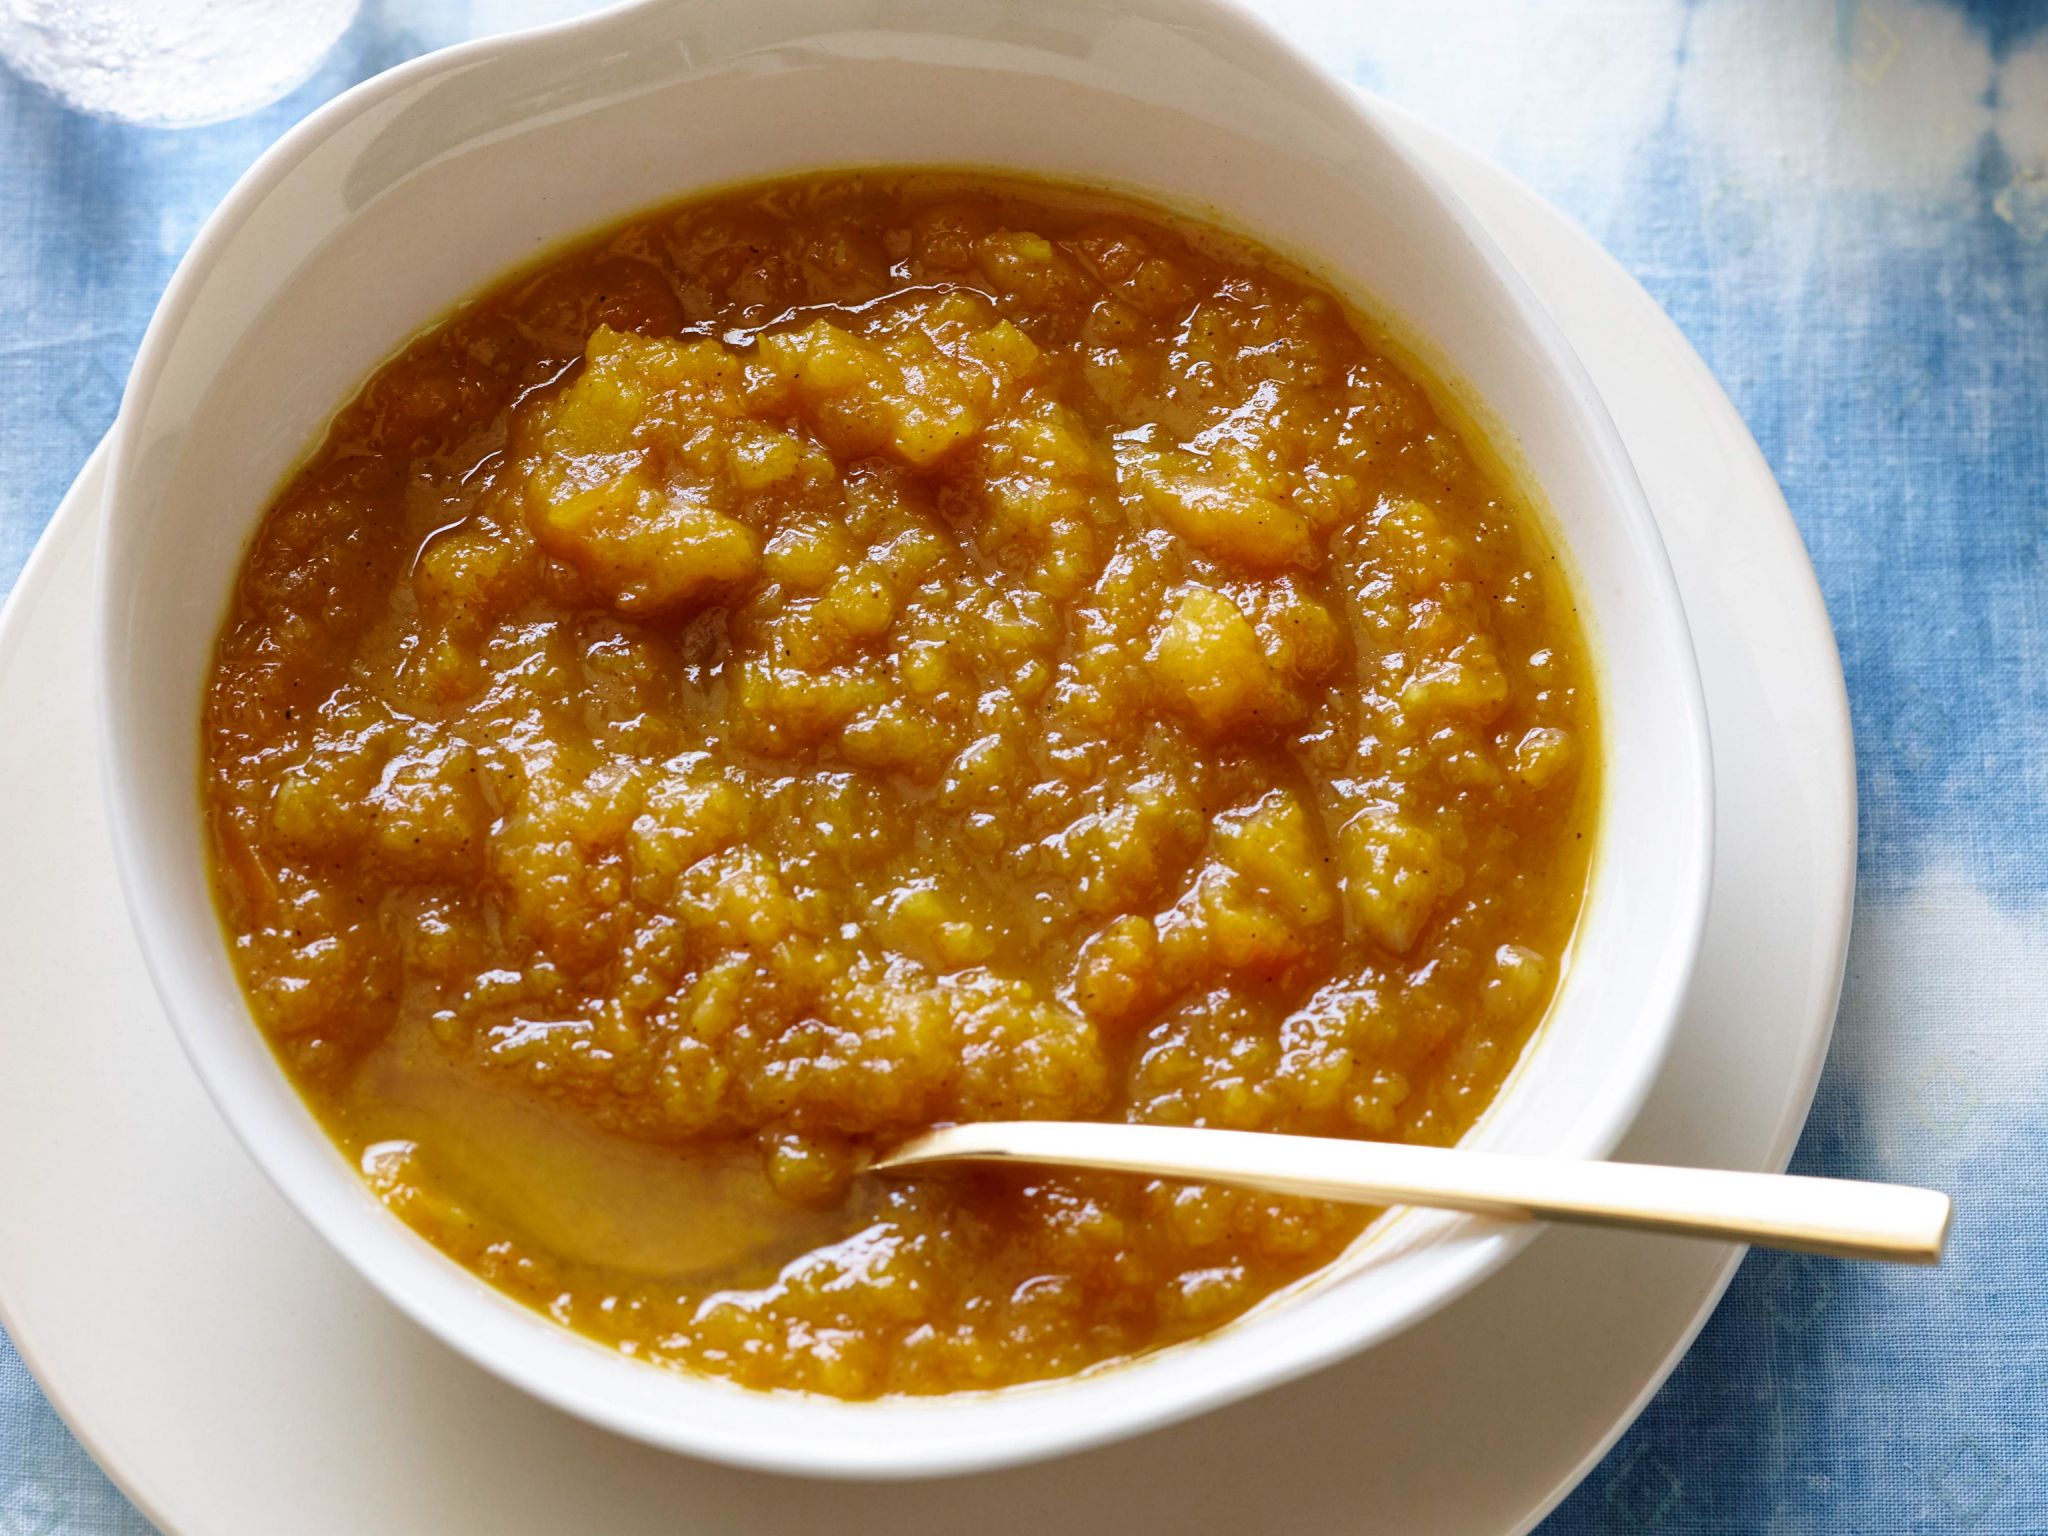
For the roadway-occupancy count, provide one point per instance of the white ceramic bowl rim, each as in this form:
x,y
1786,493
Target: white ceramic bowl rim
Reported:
x,y
1421,1263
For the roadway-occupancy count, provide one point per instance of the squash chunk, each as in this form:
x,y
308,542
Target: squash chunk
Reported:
x,y
1209,664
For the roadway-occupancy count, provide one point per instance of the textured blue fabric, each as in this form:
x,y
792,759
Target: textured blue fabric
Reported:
x,y
1845,206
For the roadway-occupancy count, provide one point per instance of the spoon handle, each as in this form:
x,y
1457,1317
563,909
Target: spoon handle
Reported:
x,y
1843,1217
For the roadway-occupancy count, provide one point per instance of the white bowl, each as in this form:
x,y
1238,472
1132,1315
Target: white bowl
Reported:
x,y
372,217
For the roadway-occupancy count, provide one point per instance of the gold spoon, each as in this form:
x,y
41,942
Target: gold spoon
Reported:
x,y
1843,1217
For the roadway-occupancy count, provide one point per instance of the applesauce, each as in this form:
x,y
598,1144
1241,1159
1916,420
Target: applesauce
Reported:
x,y
876,650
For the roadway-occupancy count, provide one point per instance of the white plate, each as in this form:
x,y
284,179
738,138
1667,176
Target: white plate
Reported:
x,y
234,1376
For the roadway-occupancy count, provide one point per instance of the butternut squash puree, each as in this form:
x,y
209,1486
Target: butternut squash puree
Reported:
x,y
874,650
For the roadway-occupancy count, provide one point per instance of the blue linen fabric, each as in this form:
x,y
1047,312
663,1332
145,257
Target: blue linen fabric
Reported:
x,y
1844,203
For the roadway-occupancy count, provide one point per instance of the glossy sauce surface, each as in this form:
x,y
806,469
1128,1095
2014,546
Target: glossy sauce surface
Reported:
x,y
879,650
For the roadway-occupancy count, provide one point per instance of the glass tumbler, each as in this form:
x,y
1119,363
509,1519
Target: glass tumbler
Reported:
x,y
169,63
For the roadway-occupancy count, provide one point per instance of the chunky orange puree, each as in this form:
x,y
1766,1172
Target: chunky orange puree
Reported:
x,y
870,651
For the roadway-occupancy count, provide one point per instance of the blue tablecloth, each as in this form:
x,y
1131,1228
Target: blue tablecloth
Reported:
x,y
1845,206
